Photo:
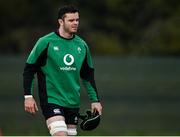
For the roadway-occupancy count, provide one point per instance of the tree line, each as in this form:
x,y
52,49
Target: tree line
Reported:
x,y
110,27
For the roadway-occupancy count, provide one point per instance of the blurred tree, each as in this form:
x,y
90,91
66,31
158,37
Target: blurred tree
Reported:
x,y
117,27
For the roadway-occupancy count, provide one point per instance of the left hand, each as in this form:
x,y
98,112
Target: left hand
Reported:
x,y
96,106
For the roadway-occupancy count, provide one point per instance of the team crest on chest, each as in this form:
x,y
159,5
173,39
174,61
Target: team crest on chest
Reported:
x,y
79,50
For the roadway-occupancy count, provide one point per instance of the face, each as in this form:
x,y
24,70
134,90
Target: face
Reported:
x,y
70,22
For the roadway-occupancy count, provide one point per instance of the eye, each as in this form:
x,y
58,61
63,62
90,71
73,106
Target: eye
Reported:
x,y
71,20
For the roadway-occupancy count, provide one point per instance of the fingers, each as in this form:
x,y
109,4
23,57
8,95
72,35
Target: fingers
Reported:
x,y
99,111
30,106
96,107
36,108
31,109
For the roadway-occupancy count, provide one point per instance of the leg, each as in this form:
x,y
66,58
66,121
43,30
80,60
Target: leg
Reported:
x,y
57,126
71,116
71,130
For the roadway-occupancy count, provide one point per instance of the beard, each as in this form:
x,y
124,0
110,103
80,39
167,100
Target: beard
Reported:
x,y
70,30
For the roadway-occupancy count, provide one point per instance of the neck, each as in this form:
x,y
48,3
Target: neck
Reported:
x,y
65,34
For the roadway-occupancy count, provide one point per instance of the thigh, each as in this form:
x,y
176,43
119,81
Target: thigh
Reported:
x,y
54,118
57,126
51,110
71,116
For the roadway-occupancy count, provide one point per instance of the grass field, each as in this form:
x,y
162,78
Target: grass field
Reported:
x,y
140,96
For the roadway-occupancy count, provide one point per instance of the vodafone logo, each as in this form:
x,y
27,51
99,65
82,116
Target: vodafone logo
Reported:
x,y
68,59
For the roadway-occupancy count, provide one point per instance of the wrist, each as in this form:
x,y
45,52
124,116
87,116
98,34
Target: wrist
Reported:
x,y
28,96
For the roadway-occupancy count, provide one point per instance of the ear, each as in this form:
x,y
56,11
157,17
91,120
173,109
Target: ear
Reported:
x,y
60,21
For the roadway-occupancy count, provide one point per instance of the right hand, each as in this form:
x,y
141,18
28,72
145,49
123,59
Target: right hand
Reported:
x,y
30,105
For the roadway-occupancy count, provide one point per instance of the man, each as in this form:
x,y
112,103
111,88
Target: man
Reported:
x,y
60,59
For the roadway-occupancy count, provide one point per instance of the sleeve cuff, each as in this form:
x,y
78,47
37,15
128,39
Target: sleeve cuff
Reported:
x,y
28,96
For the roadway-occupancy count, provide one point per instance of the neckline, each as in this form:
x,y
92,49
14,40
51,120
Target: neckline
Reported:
x,y
57,33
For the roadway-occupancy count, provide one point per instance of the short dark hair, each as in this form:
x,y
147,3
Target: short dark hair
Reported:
x,y
66,9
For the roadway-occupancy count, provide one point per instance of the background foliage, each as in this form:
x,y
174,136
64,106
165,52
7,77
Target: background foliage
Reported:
x,y
111,27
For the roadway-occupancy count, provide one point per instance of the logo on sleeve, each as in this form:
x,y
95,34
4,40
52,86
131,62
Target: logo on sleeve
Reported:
x,y
79,50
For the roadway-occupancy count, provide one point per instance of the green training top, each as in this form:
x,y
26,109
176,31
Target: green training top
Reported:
x,y
59,64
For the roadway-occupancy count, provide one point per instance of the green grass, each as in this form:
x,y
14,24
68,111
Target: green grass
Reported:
x,y
140,96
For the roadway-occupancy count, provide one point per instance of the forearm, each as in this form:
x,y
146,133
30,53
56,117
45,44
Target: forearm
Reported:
x,y
91,90
87,75
28,77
